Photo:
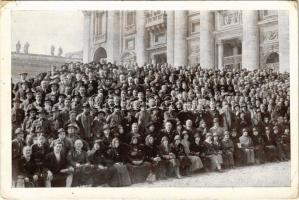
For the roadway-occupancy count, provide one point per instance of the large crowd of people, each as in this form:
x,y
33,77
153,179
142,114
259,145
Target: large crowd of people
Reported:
x,y
101,124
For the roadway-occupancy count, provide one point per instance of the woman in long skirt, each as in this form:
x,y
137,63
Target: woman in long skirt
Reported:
x,y
247,147
215,158
117,156
196,163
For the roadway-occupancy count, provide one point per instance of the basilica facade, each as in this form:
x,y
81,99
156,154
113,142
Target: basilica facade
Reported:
x,y
215,39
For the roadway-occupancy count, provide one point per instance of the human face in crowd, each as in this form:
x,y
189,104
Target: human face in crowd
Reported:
x,y
61,135
32,113
29,95
96,146
57,147
27,151
38,97
20,137
116,143
78,145
188,124
255,132
168,126
44,84
135,128
226,137
41,140
71,130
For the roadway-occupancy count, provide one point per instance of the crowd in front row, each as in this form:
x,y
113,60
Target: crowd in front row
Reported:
x,y
104,124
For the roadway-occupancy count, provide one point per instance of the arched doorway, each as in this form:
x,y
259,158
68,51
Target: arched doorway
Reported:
x,y
272,61
99,55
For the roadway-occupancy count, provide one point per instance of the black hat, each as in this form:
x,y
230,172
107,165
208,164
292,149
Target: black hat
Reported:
x,y
23,73
61,94
54,83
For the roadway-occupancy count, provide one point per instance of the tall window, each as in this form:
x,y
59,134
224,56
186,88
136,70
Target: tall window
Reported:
x,y
98,23
131,15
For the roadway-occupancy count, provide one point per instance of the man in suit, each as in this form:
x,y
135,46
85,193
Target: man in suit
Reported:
x,y
58,170
17,150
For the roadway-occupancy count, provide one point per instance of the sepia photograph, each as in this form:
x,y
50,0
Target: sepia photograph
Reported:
x,y
150,98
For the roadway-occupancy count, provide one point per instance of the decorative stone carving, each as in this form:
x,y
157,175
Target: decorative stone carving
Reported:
x,y
270,36
231,18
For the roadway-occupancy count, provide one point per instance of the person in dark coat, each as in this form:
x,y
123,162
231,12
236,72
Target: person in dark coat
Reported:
x,y
165,151
27,169
59,172
270,147
119,158
258,145
78,159
228,148
179,151
18,115
104,172
17,150
151,153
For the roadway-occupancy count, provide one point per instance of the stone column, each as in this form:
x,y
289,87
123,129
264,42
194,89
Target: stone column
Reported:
x,y
250,44
170,37
206,39
180,38
235,53
220,55
284,41
113,41
140,38
86,36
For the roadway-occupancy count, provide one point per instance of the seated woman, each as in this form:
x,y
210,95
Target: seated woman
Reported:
x,y
179,152
197,148
169,157
228,151
270,147
196,163
27,175
211,153
286,142
116,155
59,173
247,147
258,145
78,159
279,143
218,147
151,154
104,172
138,169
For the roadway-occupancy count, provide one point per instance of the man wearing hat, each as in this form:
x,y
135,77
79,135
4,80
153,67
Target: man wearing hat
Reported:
x,y
23,77
29,99
60,103
17,114
17,149
98,122
42,124
85,121
30,118
55,120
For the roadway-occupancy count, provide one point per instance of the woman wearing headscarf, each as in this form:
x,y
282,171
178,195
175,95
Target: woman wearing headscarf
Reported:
x,y
173,164
196,163
247,146
119,158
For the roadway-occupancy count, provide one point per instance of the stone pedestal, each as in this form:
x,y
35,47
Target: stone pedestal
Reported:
x,y
140,38
180,34
86,36
250,45
284,41
206,39
113,38
170,37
